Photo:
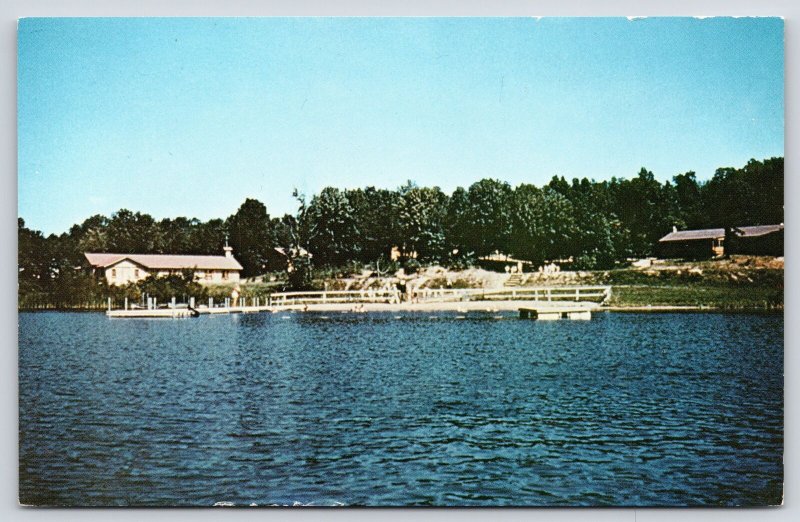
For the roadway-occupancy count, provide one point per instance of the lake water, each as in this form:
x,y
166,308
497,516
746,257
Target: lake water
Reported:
x,y
401,409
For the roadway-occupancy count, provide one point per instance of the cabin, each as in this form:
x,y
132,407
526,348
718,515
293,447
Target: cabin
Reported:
x,y
121,269
765,240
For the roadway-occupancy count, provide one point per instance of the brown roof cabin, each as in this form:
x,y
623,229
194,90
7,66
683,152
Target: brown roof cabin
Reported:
x,y
764,240
120,269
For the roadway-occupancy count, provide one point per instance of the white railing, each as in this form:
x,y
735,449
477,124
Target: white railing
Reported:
x,y
600,294
335,296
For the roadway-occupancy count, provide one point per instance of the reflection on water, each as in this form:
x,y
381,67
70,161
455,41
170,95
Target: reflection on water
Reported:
x,y
399,409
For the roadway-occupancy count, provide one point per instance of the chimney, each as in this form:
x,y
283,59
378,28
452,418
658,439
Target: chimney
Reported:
x,y
674,228
228,249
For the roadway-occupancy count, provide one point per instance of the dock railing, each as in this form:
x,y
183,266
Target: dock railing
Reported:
x,y
334,296
598,294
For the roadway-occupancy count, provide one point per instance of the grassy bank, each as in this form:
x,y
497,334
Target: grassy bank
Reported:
x,y
718,297
739,283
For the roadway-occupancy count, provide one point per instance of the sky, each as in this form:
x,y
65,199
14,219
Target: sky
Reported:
x,y
190,116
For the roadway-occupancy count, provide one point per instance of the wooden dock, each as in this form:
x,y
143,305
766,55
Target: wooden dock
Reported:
x,y
166,313
183,312
543,303
575,312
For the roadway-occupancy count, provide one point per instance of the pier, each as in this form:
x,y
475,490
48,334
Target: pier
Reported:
x,y
542,303
578,313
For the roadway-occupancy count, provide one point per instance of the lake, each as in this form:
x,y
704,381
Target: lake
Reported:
x,y
401,409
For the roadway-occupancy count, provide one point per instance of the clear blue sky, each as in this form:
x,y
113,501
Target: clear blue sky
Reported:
x,y
188,117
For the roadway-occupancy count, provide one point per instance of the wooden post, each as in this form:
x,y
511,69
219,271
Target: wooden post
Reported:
x,y
191,302
126,303
211,302
577,294
109,304
549,296
155,303
173,302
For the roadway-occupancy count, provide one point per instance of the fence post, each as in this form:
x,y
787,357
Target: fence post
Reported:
x,y
549,295
578,294
191,302
109,304
126,303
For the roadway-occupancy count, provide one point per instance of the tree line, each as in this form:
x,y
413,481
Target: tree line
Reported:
x,y
596,224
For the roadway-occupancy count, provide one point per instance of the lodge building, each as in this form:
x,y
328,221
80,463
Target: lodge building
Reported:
x,y
121,269
764,240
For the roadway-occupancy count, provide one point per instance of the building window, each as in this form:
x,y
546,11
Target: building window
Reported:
x,y
224,274
113,273
208,275
135,272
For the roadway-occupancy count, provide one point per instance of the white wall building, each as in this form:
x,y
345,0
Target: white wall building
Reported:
x,y
121,269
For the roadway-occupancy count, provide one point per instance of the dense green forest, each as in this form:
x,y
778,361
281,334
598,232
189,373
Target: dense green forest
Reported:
x,y
598,224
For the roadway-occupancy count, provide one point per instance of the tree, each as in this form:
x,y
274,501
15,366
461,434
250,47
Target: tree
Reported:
x,y
422,215
131,233
596,239
488,217
91,235
294,235
335,237
175,236
251,236
208,238
543,225
377,221
32,263
752,195
690,201
456,225
646,209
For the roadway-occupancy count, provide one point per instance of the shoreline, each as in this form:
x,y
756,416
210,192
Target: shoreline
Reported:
x,y
465,306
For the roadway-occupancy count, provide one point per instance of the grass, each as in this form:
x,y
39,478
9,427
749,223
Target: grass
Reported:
x,y
725,297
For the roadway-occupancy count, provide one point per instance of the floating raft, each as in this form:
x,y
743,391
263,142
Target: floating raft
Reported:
x,y
160,312
183,312
553,313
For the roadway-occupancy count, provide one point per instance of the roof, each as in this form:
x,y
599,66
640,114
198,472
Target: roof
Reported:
x,y
760,230
165,262
692,235
718,233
